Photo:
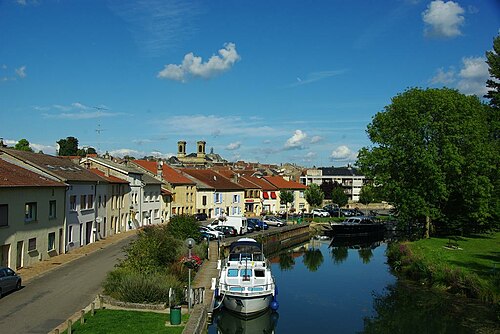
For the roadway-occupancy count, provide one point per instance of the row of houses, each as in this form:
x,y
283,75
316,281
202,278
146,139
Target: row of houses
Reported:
x,y
51,205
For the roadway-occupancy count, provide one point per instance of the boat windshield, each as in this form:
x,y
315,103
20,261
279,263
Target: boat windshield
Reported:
x,y
246,257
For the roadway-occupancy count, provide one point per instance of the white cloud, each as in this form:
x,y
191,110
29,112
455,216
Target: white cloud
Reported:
x,y
443,77
47,149
310,156
21,72
316,76
473,76
233,146
75,111
316,139
443,19
193,66
125,151
296,141
341,153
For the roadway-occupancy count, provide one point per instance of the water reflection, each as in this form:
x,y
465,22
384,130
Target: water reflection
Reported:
x,y
286,261
364,244
407,308
230,323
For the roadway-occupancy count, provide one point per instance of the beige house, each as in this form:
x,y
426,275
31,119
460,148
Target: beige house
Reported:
x,y
32,214
299,204
227,197
181,189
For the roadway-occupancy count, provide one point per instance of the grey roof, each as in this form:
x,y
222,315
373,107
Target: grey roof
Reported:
x,y
340,171
115,165
61,168
150,180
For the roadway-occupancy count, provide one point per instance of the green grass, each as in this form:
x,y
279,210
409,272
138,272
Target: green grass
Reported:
x,y
120,321
470,267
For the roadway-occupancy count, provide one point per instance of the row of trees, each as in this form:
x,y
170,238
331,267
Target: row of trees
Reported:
x,y
435,156
67,147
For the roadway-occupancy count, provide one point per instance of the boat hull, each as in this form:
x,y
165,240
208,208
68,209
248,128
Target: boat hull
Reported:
x,y
247,305
356,228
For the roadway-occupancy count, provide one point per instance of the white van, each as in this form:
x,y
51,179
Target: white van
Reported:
x,y
238,222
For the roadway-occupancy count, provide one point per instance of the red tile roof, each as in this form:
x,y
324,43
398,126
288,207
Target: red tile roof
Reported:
x,y
168,173
15,176
281,183
265,185
213,179
241,180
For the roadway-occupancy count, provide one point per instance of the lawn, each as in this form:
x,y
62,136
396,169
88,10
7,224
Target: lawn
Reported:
x,y
468,266
120,321
477,254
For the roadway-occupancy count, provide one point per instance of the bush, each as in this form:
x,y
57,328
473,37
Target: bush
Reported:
x,y
134,287
183,227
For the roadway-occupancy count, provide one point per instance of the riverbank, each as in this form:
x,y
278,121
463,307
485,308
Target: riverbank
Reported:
x,y
468,266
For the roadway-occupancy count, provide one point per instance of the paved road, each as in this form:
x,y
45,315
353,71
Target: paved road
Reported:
x,y
49,300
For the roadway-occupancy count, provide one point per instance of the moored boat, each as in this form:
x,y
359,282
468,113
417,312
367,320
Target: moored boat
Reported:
x,y
357,225
245,283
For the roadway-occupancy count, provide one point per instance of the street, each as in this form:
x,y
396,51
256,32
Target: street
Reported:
x,y
47,301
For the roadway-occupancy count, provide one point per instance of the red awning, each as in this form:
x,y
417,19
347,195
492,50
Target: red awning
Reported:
x,y
266,194
273,195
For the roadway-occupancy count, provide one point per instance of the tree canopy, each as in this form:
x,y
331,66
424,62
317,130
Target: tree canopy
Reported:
x,y
23,145
286,196
339,197
431,158
314,195
68,146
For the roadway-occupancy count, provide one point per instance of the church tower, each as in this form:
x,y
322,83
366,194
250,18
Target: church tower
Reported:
x,y
201,149
181,149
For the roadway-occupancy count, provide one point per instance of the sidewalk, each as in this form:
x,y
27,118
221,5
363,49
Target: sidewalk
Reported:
x,y
42,267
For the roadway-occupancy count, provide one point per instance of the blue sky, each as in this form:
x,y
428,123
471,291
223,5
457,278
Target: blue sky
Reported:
x,y
261,81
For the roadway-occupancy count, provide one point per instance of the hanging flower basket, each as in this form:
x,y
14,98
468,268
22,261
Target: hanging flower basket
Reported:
x,y
194,262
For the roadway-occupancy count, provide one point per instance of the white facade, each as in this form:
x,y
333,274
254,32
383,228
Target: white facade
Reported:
x,y
80,214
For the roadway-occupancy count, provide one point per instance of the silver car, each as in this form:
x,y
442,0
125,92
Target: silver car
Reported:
x,y
9,281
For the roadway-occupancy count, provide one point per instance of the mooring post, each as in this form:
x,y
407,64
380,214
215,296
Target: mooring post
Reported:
x,y
100,301
70,323
82,319
92,309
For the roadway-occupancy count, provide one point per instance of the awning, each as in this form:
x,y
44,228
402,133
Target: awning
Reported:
x,y
273,195
265,194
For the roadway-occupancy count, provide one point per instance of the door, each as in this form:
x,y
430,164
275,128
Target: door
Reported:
x,y
19,257
61,241
4,254
88,234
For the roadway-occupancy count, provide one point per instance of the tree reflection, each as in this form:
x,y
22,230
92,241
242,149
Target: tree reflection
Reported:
x,y
313,258
365,254
339,254
287,262
410,309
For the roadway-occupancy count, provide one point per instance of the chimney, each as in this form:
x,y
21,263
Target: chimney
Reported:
x,y
159,170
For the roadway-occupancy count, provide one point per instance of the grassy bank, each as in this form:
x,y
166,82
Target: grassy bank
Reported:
x,y
120,321
469,266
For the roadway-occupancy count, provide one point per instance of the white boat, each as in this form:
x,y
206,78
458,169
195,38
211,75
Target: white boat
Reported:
x,y
245,284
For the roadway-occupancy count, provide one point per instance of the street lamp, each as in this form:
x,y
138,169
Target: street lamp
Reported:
x,y
190,244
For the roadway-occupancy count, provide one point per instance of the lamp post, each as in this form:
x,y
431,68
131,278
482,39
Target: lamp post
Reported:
x,y
189,243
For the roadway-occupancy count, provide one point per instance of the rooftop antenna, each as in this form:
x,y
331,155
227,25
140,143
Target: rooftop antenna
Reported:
x,y
99,130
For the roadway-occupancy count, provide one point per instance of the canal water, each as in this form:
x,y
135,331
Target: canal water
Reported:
x,y
345,286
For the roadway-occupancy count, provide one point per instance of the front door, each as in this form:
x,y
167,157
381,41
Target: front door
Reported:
x,y
61,241
88,234
19,257
4,254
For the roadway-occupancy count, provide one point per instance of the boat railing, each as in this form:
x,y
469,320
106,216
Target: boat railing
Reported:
x,y
248,288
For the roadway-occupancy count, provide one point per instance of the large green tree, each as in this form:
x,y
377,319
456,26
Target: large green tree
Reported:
x,y
286,197
493,84
68,146
431,158
314,195
367,195
339,197
23,145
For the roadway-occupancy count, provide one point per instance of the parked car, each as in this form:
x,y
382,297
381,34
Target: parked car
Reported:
x,y
258,224
215,234
273,221
250,227
320,213
200,216
228,231
9,280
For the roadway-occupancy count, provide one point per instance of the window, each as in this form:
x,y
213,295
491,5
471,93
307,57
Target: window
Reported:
x,y
90,202
4,215
236,198
83,202
52,242
72,203
204,200
52,209
32,245
30,212
147,197
157,213
218,198
301,194
70,233
99,201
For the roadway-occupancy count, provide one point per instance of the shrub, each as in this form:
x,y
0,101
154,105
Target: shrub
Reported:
x,y
183,227
133,287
